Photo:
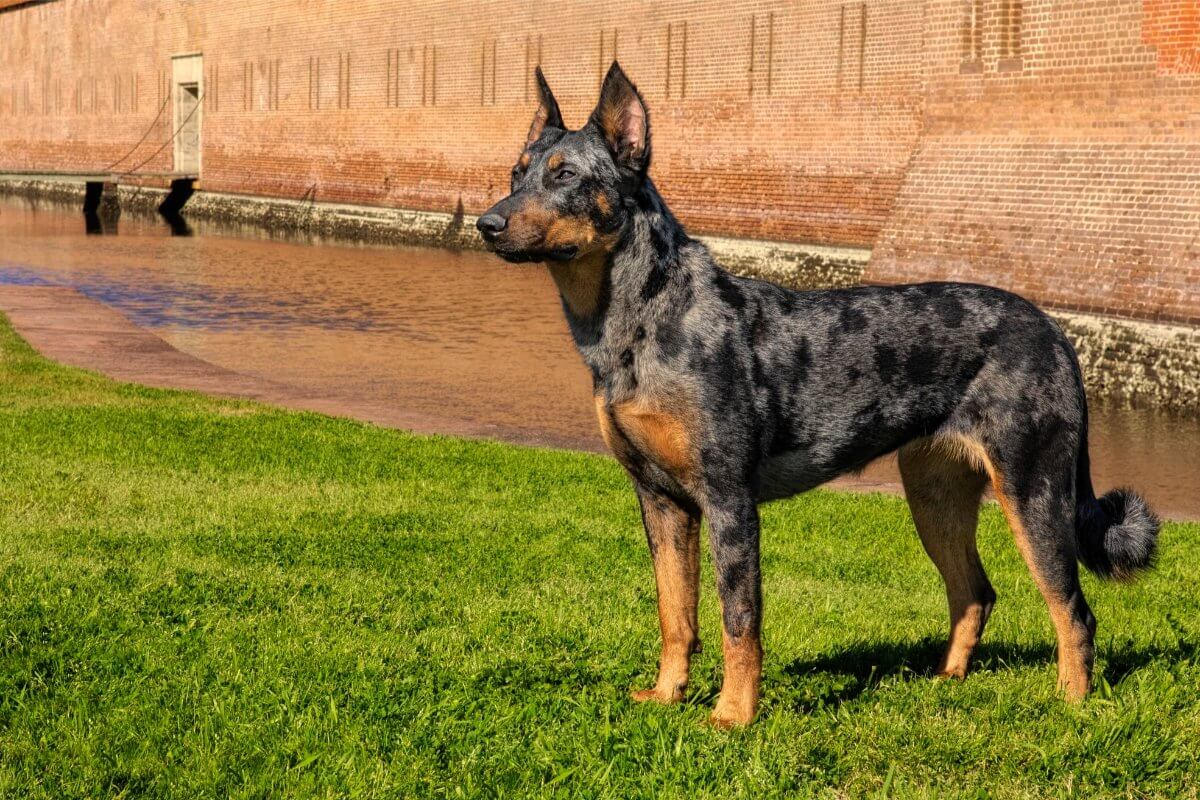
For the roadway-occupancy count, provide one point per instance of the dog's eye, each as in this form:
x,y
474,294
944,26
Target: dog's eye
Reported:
x,y
564,175
517,172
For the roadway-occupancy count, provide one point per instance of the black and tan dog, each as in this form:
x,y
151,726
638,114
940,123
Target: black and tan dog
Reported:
x,y
717,393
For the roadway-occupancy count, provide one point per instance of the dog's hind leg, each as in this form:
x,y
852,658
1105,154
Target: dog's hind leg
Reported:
x,y
1034,483
673,534
944,486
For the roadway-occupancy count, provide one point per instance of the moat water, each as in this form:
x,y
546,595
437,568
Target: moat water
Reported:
x,y
461,337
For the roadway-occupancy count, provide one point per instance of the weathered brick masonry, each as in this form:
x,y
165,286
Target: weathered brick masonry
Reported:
x,y
1050,146
419,104
1060,156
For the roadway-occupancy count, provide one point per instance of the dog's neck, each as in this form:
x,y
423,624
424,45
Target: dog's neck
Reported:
x,y
581,283
612,298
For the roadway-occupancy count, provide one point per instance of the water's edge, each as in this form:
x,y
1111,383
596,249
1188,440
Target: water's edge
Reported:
x,y
1124,361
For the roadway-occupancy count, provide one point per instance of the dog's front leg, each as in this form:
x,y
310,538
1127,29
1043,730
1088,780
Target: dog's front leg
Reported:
x,y
733,531
674,537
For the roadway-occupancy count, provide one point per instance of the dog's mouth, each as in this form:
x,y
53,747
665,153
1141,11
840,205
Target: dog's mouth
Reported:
x,y
534,255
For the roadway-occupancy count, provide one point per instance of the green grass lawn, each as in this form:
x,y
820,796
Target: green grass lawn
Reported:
x,y
203,598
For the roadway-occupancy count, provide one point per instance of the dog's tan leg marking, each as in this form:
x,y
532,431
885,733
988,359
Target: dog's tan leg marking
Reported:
x,y
1074,670
674,535
1074,675
738,702
636,430
944,488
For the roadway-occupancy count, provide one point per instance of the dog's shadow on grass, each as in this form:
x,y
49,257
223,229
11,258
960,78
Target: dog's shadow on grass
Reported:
x,y
846,673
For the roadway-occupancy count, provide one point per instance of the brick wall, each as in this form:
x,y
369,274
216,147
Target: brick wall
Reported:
x,y
771,119
1049,146
1062,160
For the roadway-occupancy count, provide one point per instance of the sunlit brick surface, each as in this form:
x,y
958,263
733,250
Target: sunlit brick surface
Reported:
x,y
1050,146
1074,178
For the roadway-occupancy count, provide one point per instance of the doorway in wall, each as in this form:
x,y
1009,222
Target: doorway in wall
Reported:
x,y
186,77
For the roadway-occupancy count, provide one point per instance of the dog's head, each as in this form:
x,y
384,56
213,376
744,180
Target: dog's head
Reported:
x,y
572,190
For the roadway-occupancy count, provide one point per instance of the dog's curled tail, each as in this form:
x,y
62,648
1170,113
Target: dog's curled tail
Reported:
x,y
1116,534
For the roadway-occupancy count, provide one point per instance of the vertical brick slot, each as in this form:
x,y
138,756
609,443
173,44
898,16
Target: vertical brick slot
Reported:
x,y
676,77
841,46
1010,36
487,72
862,45
762,49
771,50
429,75
668,86
396,76
247,86
753,43
344,80
314,83
972,37
683,63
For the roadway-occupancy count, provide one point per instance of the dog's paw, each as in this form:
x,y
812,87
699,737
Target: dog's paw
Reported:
x,y
662,696
731,715
725,721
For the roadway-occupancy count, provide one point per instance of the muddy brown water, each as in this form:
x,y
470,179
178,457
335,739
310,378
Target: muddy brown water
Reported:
x,y
459,338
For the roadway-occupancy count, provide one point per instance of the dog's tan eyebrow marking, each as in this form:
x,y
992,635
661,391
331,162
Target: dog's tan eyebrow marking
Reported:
x,y
523,161
555,161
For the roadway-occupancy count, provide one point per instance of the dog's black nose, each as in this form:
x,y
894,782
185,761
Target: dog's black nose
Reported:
x,y
491,224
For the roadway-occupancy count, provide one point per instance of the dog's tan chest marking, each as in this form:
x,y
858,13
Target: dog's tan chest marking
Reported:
x,y
580,282
662,436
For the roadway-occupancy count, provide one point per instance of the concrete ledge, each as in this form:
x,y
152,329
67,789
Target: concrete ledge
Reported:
x,y
1123,360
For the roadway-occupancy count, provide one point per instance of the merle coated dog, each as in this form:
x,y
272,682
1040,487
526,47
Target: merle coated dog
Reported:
x,y
717,393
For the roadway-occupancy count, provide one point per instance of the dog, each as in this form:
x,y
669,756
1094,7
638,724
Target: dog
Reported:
x,y
717,393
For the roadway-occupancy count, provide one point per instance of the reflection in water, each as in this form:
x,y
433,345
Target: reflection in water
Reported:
x,y
175,222
96,225
181,191
458,336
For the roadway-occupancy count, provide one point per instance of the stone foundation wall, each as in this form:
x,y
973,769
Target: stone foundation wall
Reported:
x,y
1137,363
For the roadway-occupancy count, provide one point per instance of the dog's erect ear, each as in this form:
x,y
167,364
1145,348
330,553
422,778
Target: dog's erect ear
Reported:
x,y
621,116
547,115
